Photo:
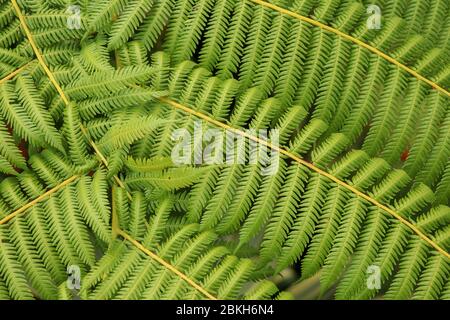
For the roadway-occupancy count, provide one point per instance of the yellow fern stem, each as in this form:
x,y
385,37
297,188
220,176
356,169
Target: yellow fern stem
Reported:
x,y
38,199
354,40
310,166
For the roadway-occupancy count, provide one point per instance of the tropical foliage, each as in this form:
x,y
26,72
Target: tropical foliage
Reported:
x,y
91,93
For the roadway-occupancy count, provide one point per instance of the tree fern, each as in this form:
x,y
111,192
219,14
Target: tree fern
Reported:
x,y
357,119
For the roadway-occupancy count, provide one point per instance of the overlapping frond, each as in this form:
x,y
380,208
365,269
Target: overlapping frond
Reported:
x,y
136,180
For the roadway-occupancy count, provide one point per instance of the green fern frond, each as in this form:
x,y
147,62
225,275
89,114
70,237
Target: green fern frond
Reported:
x,y
356,120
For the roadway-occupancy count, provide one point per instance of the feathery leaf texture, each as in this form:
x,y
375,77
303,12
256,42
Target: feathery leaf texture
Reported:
x,y
96,99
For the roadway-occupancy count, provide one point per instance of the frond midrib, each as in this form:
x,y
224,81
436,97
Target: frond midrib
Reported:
x,y
225,126
360,43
